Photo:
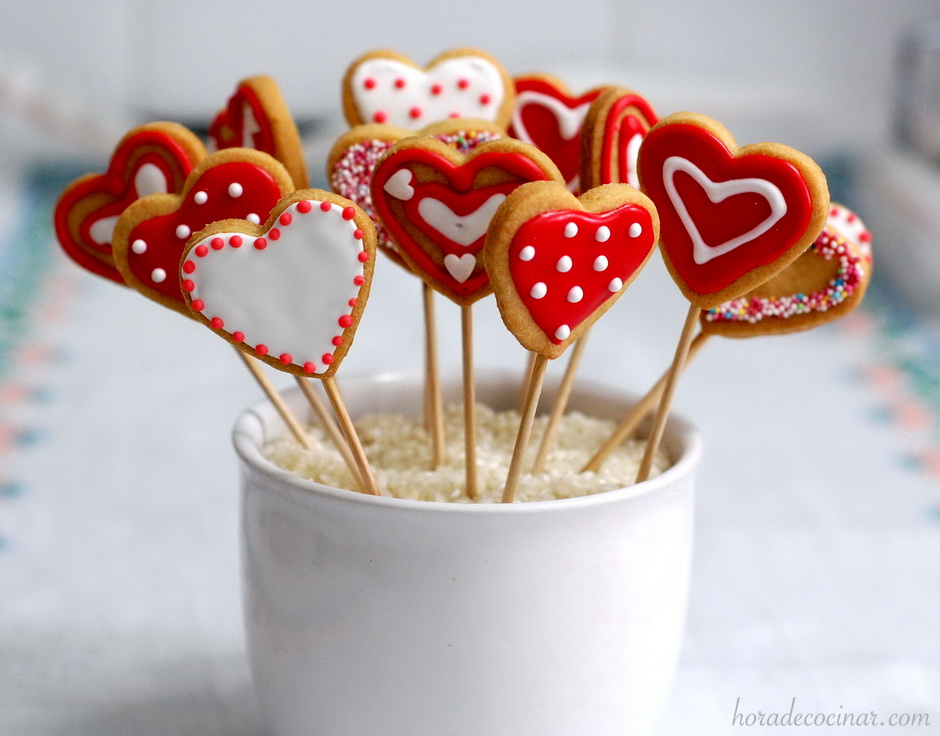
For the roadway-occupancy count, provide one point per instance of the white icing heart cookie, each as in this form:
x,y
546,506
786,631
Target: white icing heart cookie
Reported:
x,y
386,87
290,293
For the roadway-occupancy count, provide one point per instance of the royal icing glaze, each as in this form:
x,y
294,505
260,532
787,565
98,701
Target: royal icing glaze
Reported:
x,y
289,294
233,190
148,161
550,119
439,226
628,120
352,173
849,226
565,264
390,91
722,216
849,269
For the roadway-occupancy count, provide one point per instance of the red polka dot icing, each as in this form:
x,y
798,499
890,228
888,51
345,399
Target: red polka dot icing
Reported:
x,y
296,300
156,244
386,90
565,264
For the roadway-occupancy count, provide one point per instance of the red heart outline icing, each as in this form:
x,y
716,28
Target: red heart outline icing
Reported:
x,y
459,195
765,212
550,268
117,188
163,239
618,153
535,120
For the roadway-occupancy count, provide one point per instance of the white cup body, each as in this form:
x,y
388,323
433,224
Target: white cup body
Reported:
x,y
382,617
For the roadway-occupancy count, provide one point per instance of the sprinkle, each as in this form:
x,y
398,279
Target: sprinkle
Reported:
x,y
216,243
238,336
235,241
285,219
158,275
235,190
310,367
261,349
198,305
304,206
217,323
286,358
253,218
189,267
345,321
183,232
201,197
139,246
261,243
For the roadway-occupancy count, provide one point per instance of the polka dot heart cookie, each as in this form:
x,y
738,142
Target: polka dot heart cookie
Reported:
x,y
257,117
558,262
151,234
386,87
732,217
150,159
290,293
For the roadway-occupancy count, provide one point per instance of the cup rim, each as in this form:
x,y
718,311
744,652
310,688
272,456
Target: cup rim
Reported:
x,y
248,436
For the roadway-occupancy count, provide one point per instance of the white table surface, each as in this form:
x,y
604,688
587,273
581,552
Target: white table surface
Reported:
x,y
816,557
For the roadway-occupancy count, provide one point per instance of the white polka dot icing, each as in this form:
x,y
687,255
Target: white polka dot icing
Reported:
x,y
235,190
183,232
289,294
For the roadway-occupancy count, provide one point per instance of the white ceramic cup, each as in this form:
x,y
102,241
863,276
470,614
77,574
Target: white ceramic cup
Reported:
x,y
375,616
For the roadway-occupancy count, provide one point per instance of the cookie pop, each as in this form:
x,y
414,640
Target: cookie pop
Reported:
x,y
732,218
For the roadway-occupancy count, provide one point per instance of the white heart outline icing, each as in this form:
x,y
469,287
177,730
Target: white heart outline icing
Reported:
x,y
719,191
295,294
570,119
464,230
460,267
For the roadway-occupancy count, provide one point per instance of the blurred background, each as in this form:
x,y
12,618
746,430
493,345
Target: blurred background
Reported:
x,y
818,528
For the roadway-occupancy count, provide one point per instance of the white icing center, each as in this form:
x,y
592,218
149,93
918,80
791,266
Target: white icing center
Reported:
x,y
464,230
150,180
467,86
719,191
249,127
633,153
102,230
290,295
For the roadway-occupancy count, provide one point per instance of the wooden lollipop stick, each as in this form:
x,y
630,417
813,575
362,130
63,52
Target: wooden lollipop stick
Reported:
x,y
469,401
342,415
275,398
435,408
329,426
639,413
525,428
561,403
530,364
669,390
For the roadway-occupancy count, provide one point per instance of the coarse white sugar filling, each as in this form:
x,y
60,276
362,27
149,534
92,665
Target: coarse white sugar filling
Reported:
x,y
399,450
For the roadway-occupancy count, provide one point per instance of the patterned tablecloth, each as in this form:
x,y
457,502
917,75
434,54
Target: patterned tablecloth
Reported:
x,y
818,523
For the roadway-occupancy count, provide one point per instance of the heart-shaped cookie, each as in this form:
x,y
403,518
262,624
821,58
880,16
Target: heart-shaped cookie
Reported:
x,y
731,217
257,117
849,226
824,284
150,159
549,117
558,262
290,293
436,203
237,183
386,87
355,153
614,127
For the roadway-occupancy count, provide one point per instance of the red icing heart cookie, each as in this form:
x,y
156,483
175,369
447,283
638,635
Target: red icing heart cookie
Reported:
x,y
152,158
614,127
437,203
825,283
549,117
257,117
150,235
290,293
731,217
386,87
557,262
355,153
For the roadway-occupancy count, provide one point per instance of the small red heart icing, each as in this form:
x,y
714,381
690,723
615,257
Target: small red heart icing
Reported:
x,y
437,209
628,119
565,264
154,158
291,295
257,117
151,235
549,117
731,218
